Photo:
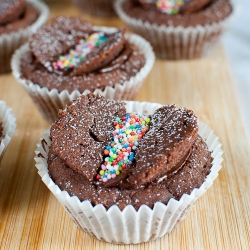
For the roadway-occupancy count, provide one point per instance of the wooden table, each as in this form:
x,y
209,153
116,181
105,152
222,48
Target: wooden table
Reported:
x,y
32,218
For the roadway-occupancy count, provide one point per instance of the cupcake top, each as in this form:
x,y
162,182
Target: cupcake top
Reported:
x,y
178,12
70,54
103,154
15,15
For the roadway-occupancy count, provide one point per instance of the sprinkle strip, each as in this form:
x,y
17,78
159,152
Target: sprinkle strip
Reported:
x,y
128,131
170,6
82,48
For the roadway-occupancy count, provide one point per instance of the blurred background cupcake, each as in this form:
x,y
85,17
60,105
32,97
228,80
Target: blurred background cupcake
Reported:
x,y
100,8
7,126
70,57
177,29
18,20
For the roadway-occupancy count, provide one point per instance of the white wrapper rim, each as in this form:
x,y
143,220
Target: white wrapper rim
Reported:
x,y
9,126
130,226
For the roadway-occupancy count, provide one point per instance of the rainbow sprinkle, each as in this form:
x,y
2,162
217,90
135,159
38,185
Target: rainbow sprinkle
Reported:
x,y
170,6
128,131
77,54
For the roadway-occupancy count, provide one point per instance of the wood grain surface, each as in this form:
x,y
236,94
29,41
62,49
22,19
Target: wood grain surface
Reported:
x,y
32,218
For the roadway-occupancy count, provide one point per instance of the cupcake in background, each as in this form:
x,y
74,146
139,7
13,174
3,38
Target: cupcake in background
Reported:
x,y
7,126
70,57
100,8
177,29
128,172
18,20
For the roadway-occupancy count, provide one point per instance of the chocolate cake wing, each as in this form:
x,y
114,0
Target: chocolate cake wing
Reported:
x,y
11,10
102,55
77,136
50,41
72,142
165,147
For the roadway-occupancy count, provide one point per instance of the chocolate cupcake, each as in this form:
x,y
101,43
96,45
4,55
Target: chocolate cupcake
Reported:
x,y
100,8
70,57
105,159
177,29
7,126
18,20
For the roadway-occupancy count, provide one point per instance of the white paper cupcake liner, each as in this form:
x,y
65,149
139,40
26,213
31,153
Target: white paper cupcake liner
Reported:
x,y
50,101
11,41
100,8
8,121
129,226
176,42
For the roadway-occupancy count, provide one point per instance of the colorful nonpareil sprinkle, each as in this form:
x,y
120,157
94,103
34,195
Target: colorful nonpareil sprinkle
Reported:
x,y
170,6
76,55
128,131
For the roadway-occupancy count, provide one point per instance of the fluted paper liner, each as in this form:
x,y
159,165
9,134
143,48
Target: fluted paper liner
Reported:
x,y
8,121
129,226
11,41
50,101
176,42
101,8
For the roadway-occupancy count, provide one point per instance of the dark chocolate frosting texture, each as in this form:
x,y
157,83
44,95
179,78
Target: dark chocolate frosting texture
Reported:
x,y
69,54
183,13
15,15
101,153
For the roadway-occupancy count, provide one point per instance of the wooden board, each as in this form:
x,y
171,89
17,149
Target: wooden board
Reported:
x,y
32,218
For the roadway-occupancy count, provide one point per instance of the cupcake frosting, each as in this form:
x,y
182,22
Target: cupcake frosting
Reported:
x,y
178,12
70,54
